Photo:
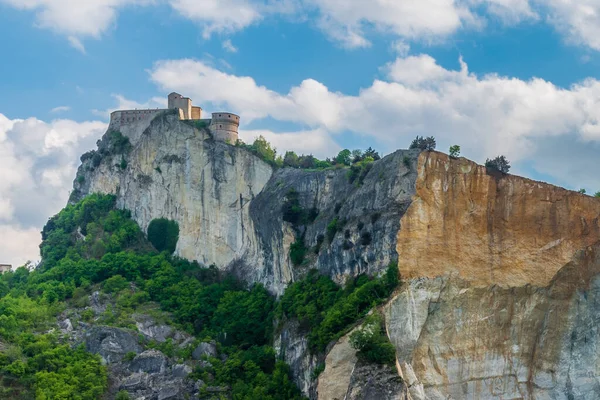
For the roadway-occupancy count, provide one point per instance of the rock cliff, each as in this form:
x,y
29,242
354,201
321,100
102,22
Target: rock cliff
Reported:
x,y
228,203
500,288
500,273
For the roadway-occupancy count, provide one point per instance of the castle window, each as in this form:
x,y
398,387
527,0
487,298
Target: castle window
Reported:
x,y
230,116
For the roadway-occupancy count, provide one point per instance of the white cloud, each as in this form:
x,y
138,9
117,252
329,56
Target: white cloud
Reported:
x,y
127,104
88,18
228,46
317,142
578,20
76,44
60,109
487,115
347,21
39,160
350,23
218,16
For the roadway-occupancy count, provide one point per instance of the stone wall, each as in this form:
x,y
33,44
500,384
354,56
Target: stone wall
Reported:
x,y
132,123
224,126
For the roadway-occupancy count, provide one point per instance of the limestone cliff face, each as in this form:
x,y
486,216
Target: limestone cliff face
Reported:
x,y
503,230
500,293
460,341
228,203
177,172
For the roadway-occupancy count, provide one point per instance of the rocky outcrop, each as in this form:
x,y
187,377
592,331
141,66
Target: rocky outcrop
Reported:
x,y
346,377
458,340
491,229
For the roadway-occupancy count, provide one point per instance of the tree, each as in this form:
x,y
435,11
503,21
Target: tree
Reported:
x,y
163,234
307,162
357,155
371,153
264,149
454,151
424,144
499,163
597,194
582,191
344,157
290,159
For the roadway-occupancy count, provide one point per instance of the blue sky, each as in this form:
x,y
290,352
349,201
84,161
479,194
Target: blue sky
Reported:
x,y
513,77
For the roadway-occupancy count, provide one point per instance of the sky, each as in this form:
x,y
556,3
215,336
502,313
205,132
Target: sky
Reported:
x,y
519,78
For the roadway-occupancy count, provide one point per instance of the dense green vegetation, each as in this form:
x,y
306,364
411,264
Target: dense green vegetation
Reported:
x,y
163,234
91,245
326,311
372,343
345,158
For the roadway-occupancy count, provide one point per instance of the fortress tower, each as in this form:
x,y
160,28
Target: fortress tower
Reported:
x,y
224,126
184,104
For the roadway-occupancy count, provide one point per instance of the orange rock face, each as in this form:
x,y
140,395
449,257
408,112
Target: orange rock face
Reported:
x,y
503,230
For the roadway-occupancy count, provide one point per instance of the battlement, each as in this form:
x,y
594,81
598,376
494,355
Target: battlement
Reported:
x,y
131,123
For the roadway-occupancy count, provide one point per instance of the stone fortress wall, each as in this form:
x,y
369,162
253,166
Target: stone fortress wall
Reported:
x,y
132,123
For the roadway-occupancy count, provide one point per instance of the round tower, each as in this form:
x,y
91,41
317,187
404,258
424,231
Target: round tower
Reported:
x,y
224,126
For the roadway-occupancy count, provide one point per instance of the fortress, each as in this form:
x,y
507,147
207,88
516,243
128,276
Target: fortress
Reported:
x,y
223,125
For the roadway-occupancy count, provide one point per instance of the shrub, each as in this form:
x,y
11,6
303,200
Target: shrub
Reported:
x,y
424,144
163,234
123,163
582,191
122,395
406,161
597,194
129,356
115,284
347,245
297,252
499,163
372,343
332,229
80,179
454,151
291,209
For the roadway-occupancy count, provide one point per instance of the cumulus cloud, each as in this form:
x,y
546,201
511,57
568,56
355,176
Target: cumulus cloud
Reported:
x,y
89,18
39,160
317,142
487,115
347,22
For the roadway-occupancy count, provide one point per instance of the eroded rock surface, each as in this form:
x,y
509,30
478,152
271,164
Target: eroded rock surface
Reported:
x,y
492,230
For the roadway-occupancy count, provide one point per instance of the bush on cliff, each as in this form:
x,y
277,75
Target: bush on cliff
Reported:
x,y
499,163
163,234
372,342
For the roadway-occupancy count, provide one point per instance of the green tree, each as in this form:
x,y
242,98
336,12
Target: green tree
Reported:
x,y
344,157
423,143
582,191
372,343
264,149
290,159
499,163
163,234
454,151
597,194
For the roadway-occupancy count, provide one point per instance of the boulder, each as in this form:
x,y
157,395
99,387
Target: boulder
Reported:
x,y
181,370
111,343
208,349
150,361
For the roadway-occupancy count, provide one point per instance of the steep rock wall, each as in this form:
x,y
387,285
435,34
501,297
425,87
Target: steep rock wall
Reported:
x,y
456,340
228,203
503,230
177,172
500,294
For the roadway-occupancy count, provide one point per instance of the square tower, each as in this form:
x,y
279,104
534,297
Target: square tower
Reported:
x,y
183,103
